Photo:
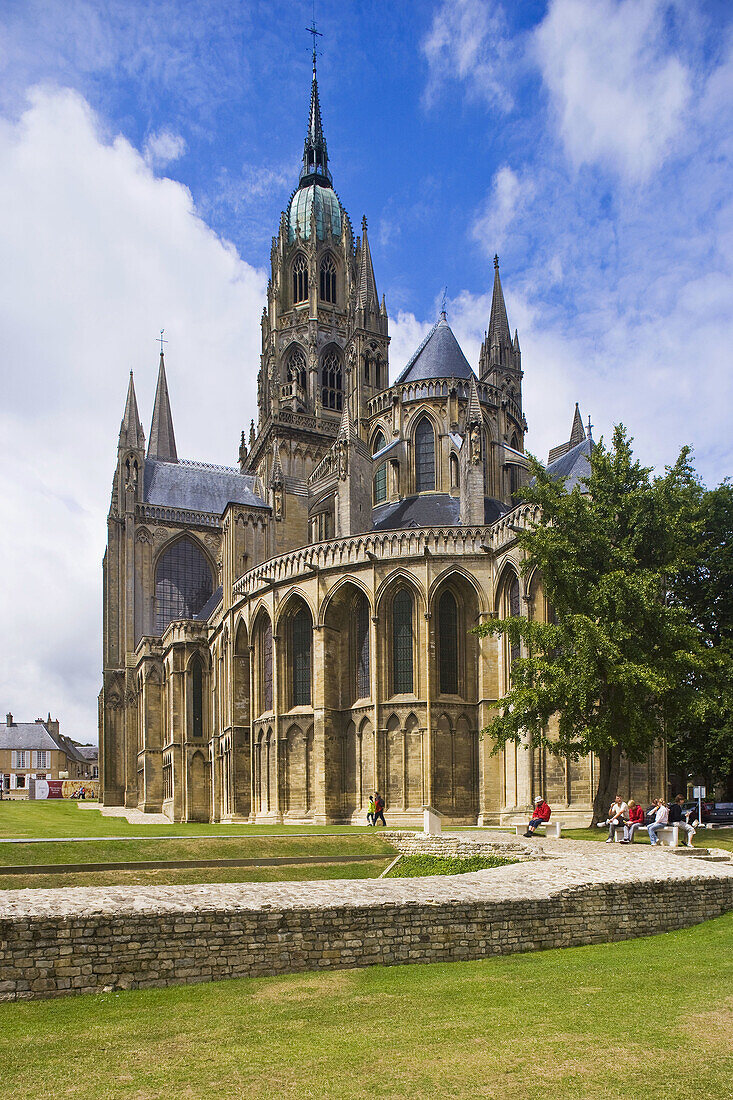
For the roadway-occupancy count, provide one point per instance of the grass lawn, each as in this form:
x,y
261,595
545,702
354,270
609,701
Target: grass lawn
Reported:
x,y
704,838
63,819
200,875
419,866
456,1030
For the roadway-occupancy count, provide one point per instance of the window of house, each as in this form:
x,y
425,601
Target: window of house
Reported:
x,y
20,782
360,620
328,280
424,457
331,381
448,643
197,698
41,759
301,657
20,759
402,656
300,280
183,584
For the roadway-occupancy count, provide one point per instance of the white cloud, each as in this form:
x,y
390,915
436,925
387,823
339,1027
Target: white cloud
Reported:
x,y
508,195
98,255
163,148
467,41
618,90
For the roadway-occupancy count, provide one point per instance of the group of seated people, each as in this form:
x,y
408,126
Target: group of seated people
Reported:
x,y
631,816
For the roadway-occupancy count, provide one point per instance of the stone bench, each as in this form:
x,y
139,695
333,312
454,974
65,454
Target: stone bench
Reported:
x,y
552,828
669,836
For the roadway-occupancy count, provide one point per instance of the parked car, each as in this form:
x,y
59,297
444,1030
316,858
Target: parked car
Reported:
x,y
713,813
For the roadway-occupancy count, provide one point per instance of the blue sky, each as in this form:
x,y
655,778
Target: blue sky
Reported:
x,y
147,149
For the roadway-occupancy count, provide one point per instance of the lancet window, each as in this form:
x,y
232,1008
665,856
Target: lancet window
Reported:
x,y
402,647
297,368
331,381
425,457
197,698
265,661
301,657
183,584
328,280
448,643
360,620
300,279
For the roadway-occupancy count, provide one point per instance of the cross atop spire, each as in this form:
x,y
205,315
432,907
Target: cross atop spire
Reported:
x,y
315,154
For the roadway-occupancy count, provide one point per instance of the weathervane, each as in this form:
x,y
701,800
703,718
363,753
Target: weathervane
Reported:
x,y
162,341
589,426
442,303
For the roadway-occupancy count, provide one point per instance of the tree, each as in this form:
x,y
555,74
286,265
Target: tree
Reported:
x,y
701,741
616,665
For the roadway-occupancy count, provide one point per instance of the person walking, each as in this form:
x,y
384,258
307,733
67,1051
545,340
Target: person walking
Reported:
x,y
379,808
616,818
634,822
371,811
677,817
540,815
661,817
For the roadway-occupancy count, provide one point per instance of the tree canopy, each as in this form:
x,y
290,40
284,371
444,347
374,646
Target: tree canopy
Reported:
x,y
617,663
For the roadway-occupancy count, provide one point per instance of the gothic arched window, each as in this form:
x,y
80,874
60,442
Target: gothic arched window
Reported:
x,y
378,442
331,381
454,472
360,620
300,279
328,280
380,484
512,612
424,457
197,698
402,672
265,663
183,584
297,368
448,642
300,653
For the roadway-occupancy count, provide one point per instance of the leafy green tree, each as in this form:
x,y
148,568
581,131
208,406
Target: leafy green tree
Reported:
x,y
617,663
701,741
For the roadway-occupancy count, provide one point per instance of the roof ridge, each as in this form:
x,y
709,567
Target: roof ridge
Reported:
x,y
415,355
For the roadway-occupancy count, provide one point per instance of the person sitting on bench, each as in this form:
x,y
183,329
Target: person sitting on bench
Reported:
x,y
677,817
540,815
635,821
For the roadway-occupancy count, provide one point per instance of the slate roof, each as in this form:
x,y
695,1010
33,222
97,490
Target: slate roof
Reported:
x,y
198,486
26,735
425,510
439,356
574,465
493,509
210,606
88,752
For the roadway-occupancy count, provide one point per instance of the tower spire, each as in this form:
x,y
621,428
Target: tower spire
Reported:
x,y
577,432
368,297
499,334
162,440
315,154
131,430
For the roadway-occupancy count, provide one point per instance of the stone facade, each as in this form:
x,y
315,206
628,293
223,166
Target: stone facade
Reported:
x,y
283,637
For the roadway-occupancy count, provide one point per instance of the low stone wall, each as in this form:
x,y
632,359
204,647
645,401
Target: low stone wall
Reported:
x,y
455,847
46,955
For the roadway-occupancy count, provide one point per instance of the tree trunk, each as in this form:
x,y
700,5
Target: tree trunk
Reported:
x,y
609,763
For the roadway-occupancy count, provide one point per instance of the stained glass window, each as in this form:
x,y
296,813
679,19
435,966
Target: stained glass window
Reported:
x,y
331,381
197,693
183,584
301,658
513,609
361,638
266,665
448,641
328,280
425,457
380,484
402,642
300,280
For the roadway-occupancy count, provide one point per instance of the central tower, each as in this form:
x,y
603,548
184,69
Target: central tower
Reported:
x,y
324,339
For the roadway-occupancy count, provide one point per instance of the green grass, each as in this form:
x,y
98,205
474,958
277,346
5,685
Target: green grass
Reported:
x,y
419,866
198,876
648,1016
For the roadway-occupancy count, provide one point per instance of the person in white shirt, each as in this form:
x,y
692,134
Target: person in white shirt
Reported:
x,y
661,817
616,818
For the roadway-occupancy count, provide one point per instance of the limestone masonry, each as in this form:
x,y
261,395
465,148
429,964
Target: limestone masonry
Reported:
x,y
58,942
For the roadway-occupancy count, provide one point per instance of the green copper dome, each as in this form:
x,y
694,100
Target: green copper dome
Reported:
x,y
324,201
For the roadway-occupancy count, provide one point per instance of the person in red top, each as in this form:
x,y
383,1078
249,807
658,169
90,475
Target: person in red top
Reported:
x,y
540,816
634,821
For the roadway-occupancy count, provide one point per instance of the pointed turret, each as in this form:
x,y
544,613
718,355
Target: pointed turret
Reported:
x,y
473,413
577,433
499,335
162,440
315,154
368,297
131,430
347,429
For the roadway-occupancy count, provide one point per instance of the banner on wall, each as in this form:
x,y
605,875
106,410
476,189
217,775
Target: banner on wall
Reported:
x,y
63,788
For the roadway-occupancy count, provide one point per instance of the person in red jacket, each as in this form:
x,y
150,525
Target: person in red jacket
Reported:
x,y
634,821
540,815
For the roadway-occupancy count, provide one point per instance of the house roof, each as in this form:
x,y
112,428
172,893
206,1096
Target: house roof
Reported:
x,y
26,735
198,486
438,356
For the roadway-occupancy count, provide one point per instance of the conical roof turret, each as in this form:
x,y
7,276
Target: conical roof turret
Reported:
x,y
131,430
162,440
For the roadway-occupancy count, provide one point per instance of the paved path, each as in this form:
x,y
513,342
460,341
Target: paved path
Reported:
x,y
562,866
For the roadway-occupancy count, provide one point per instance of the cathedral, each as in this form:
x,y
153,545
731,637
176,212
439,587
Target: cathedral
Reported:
x,y
285,636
